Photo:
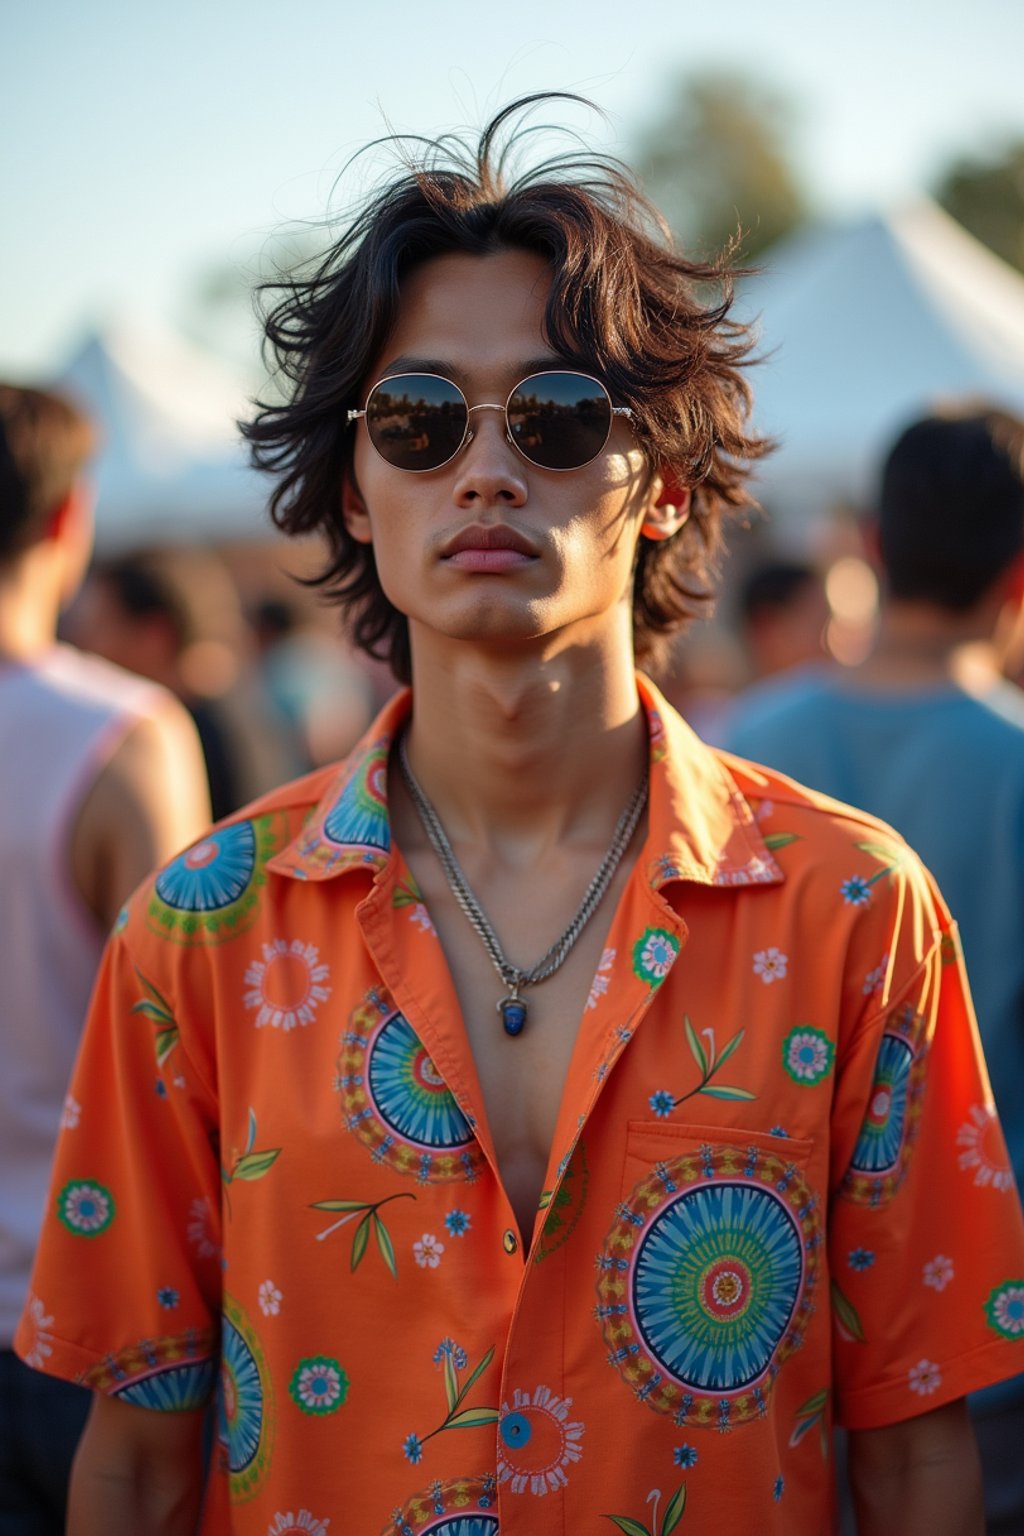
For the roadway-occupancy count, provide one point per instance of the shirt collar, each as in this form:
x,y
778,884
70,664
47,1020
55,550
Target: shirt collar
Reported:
x,y
701,828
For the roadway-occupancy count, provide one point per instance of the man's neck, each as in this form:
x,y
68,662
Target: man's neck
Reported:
x,y
29,609
521,750
920,646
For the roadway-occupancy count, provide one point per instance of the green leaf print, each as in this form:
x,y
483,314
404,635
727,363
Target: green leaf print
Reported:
x,y
253,1165
451,1383
709,1063
475,1376
360,1240
156,1008
371,1209
776,840
674,1512
847,1317
695,1046
384,1243
630,1527
472,1418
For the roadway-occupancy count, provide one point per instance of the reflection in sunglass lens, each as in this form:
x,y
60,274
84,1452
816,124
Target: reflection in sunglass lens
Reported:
x,y
560,420
416,420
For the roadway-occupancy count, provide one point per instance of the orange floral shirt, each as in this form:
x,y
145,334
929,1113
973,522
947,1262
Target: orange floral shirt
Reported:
x,y
777,1195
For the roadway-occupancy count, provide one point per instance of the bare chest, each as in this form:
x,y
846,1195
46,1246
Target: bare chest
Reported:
x,y
522,1078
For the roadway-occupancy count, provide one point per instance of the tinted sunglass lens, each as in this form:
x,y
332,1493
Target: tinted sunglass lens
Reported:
x,y
415,420
559,420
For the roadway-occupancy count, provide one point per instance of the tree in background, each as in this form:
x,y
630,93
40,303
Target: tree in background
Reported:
x,y
719,159
986,195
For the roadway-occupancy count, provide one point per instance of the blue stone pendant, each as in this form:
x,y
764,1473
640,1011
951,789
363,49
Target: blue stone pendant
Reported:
x,y
513,1014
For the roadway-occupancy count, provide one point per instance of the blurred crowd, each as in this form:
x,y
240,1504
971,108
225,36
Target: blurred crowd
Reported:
x,y
141,695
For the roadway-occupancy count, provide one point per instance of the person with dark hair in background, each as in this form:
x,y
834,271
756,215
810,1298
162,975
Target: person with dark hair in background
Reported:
x,y
529,1141
927,734
100,777
174,615
783,616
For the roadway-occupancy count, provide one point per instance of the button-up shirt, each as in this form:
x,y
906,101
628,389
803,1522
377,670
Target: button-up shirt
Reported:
x,y
777,1194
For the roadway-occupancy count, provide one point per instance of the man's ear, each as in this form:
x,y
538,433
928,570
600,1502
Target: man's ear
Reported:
x,y
668,507
353,510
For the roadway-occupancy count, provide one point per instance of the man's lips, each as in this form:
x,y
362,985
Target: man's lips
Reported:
x,y
493,548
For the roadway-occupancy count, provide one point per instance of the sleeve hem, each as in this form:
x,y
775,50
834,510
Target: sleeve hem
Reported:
x,y
891,1401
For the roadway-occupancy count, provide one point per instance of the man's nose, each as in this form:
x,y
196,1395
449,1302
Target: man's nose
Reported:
x,y
489,471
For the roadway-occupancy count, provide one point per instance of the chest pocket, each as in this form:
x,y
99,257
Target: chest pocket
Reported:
x,y
707,1277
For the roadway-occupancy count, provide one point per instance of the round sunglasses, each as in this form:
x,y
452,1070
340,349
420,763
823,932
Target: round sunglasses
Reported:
x,y
557,420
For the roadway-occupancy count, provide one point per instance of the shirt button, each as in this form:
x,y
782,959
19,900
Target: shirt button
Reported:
x,y
510,1242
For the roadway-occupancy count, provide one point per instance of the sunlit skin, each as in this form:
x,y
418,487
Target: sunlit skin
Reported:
x,y
527,732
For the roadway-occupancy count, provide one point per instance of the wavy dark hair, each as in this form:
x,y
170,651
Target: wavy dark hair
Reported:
x,y
623,305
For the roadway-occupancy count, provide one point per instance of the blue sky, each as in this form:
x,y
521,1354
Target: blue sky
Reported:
x,y
144,144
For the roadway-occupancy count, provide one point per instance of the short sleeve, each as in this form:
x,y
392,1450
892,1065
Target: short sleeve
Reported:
x,y
926,1243
125,1294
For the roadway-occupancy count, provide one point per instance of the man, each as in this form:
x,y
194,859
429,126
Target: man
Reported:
x,y
100,775
927,734
488,1209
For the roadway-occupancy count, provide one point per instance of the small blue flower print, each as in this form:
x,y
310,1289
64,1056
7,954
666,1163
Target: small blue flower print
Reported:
x,y
685,1456
662,1103
455,1352
412,1445
777,1491
167,1296
160,1088
855,891
778,1130
458,1223
861,1258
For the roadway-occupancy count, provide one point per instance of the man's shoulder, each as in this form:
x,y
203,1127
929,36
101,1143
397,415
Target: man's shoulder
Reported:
x,y
221,885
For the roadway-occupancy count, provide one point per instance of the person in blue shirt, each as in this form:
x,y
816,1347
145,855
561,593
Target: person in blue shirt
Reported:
x,y
927,734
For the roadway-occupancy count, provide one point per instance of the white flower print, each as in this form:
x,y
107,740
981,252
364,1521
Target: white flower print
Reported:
x,y
200,1229
938,1272
770,965
42,1343
270,1299
983,1150
599,985
421,918
71,1113
287,985
924,1377
875,980
427,1251
295,1525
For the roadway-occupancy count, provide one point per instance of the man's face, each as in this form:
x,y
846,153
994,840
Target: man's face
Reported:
x,y
478,320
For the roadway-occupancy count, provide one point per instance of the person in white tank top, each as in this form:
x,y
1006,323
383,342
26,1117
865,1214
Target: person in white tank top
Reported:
x,y
101,777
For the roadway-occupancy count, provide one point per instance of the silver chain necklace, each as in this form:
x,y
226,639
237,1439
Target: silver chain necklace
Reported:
x,y
512,1007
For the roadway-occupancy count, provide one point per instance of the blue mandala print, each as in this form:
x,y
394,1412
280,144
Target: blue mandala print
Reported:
x,y
878,1145
243,1408
211,874
885,1143
210,891
172,1389
462,1506
410,1093
396,1101
715,1284
706,1282
360,813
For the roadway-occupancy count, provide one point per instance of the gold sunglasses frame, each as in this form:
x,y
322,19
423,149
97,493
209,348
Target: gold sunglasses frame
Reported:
x,y
467,436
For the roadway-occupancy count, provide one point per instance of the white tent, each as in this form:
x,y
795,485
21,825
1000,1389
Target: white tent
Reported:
x,y
172,465
864,327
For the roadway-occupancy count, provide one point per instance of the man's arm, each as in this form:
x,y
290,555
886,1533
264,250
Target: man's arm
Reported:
x,y
136,1470
148,802
921,1477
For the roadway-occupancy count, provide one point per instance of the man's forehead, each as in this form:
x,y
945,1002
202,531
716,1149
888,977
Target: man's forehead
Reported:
x,y
463,370
471,311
